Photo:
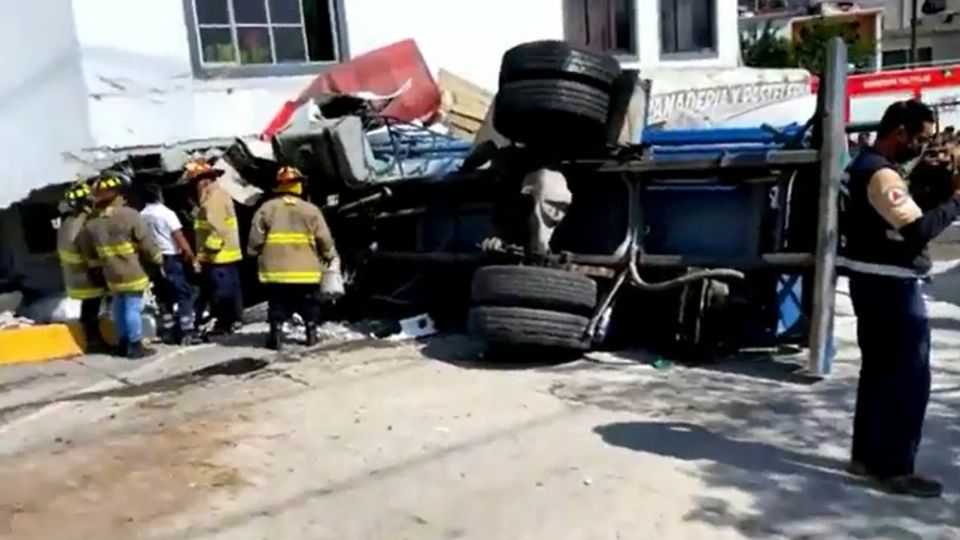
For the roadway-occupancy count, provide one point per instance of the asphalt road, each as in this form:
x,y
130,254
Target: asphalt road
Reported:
x,y
375,440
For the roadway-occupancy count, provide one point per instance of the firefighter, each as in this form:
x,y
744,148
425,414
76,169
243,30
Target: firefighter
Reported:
x,y
217,248
80,283
115,239
884,236
292,243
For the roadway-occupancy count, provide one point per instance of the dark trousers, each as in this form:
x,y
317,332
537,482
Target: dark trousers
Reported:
x,y
220,289
893,332
90,320
175,296
284,300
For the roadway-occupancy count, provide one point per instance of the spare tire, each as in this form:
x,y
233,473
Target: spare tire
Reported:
x,y
550,112
558,60
533,287
525,327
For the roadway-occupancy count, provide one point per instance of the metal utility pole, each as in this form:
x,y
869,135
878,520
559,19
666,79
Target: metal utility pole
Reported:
x,y
832,128
913,32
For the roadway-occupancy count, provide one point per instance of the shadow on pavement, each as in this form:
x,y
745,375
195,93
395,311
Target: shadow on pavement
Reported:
x,y
690,442
785,447
945,286
461,351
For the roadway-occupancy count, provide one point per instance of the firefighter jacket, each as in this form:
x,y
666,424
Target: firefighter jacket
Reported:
x,y
290,237
80,283
116,240
215,227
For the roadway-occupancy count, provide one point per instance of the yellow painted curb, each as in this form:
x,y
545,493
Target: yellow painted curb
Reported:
x,y
40,343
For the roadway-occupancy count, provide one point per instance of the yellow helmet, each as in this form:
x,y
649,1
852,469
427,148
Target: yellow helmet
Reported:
x,y
78,196
107,183
107,187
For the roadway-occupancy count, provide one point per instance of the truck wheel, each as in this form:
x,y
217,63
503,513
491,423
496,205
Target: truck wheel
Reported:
x,y
533,287
558,60
551,112
527,327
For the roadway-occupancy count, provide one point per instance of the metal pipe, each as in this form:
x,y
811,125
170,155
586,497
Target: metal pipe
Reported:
x,y
831,169
913,32
769,260
444,257
605,304
363,201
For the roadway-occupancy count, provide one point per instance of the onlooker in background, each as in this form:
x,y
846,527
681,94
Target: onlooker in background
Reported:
x,y
116,240
217,247
174,293
80,283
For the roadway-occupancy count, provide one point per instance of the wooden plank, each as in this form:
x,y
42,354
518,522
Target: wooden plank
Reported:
x,y
463,97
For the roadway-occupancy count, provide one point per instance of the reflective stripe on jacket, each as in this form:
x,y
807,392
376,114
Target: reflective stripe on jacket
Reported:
x,y
290,237
115,239
77,278
215,227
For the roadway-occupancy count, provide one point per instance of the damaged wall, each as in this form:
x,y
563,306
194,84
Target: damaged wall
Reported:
x,y
43,106
141,83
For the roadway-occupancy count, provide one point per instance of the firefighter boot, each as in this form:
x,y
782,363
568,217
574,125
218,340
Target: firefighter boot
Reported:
x,y
311,334
136,351
275,337
188,338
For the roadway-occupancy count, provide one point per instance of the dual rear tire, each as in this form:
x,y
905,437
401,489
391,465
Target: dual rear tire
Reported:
x,y
520,306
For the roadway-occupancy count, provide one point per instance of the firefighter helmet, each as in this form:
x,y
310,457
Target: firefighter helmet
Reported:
x,y
199,169
78,196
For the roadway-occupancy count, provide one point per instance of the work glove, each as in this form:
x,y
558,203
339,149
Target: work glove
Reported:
x,y
332,286
492,244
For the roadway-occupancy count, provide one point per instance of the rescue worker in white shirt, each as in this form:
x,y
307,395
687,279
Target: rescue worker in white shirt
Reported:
x,y
174,293
883,250
292,244
217,248
80,283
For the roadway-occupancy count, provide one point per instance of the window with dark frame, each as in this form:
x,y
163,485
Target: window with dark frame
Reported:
x,y
602,25
900,58
688,27
237,33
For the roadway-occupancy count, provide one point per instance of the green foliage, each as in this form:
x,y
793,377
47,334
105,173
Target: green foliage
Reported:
x,y
765,48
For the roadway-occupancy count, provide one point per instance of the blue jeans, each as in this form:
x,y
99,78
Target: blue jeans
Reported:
x,y
893,332
175,296
127,317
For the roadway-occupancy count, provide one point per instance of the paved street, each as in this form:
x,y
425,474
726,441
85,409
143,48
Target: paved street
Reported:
x,y
374,440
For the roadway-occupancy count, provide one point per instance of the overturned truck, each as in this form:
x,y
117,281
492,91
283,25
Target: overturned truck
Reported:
x,y
555,232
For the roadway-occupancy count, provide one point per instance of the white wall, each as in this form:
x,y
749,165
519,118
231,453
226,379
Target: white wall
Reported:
x,y
136,60
467,37
728,38
42,100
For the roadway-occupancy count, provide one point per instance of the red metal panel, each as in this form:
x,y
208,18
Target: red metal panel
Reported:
x,y
382,71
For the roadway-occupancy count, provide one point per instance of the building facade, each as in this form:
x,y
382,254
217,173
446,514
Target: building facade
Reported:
x,y
938,34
